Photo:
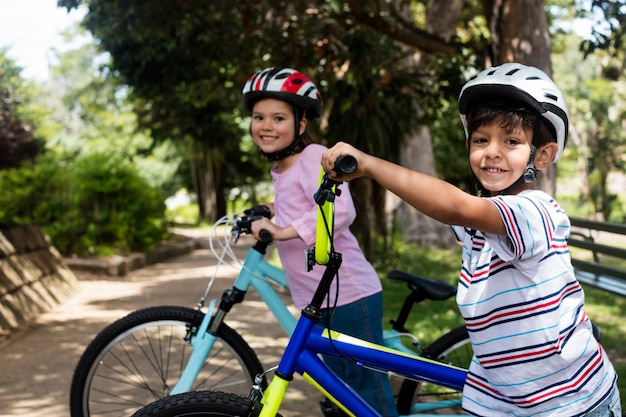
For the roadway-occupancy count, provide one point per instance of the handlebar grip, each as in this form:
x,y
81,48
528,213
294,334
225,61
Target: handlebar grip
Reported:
x,y
265,236
262,210
345,164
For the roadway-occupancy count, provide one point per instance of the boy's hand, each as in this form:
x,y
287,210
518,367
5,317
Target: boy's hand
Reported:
x,y
330,156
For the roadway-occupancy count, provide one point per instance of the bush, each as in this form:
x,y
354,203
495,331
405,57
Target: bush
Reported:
x,y
89,205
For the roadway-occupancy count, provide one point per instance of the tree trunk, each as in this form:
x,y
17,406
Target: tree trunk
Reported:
x,y
417,153
206,184
416,227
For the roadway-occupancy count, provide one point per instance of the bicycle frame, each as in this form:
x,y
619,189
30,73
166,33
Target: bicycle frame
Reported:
x,y
309,340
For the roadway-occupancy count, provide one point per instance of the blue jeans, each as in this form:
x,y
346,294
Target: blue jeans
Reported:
x,y
611,407
362,319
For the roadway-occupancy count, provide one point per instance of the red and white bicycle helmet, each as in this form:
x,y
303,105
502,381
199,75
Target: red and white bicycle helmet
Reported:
x,y
519,83
284,84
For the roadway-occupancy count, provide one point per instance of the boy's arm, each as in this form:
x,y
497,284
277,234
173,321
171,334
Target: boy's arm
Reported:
x,y
434,197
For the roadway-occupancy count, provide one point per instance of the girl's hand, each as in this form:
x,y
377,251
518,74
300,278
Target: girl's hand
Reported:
x,y
330,156
277,232
263,224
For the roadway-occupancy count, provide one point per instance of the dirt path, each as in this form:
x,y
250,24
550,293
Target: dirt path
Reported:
x,y
37,362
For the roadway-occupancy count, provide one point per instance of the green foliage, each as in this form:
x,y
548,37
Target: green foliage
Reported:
x,y
184,65
594,152
93,202
17,141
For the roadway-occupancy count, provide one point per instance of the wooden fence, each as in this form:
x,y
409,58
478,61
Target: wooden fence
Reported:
x,y
605,267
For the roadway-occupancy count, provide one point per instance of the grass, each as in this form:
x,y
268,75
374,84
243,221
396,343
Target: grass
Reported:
x,y
433,318
429,319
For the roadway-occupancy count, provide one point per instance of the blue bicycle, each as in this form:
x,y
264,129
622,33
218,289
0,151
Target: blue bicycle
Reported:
x,y
301,356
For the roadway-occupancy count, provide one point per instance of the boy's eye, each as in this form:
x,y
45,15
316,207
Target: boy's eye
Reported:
x,y
512,141
478,139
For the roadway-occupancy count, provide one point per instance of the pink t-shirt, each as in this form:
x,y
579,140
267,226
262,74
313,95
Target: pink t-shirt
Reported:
x,y
294,205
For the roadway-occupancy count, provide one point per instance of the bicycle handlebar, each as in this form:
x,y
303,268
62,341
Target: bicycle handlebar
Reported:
x,y
325,199
243,225
345,164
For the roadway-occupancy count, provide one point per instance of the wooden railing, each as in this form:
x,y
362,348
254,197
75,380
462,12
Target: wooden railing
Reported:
x,y
605,242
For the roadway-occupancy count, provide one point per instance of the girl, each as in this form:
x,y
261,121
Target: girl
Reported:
x,y
282,101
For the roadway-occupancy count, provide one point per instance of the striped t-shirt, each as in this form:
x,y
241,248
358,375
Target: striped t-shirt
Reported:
x,y
534,350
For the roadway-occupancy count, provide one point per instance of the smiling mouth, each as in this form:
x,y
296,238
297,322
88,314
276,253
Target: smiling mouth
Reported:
x,y
494,170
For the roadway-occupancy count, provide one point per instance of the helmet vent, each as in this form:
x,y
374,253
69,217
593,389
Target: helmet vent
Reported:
x,y
551,96
513,71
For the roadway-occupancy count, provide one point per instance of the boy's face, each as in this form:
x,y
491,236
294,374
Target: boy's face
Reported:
x,y
498,156
272,125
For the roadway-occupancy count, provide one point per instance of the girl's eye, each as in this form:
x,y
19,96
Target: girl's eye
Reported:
x,y
512,141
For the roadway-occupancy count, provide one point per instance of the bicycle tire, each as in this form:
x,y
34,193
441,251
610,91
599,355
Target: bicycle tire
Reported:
x,y
202,404
453,348
138,359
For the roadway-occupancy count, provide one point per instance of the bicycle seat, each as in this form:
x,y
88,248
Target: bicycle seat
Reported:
x,y
431,289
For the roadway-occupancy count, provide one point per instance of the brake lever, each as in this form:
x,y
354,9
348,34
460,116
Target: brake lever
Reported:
x,y
345,164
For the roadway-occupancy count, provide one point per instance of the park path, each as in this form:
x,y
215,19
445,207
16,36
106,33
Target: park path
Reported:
x,y
37,361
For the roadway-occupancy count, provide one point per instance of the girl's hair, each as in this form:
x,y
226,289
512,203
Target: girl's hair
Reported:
x,y
307,137
509,118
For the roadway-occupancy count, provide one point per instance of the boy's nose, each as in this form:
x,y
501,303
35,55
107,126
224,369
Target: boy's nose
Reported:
x,y
493,149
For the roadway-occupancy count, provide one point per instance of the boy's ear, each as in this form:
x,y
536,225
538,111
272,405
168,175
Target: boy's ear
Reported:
x,y
545,155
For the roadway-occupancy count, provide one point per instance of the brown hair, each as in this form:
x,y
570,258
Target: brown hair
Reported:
x,y
509,118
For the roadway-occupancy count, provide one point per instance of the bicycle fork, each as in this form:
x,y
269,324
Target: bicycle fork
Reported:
x,y
202,343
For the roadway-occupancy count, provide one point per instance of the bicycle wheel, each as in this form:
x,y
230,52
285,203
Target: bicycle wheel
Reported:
x,y
140,357
202,403
453,348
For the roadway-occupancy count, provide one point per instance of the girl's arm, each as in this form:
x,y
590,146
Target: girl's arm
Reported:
x,y
434,197
278,233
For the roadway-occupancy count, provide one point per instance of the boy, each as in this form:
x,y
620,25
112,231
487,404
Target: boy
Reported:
x,y
534,349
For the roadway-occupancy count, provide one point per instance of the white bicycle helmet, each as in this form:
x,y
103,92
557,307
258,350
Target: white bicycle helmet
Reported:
x,y
284,84
519,83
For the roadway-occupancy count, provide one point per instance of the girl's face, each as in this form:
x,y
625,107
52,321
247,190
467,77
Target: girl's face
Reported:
x,y
498,156
273,125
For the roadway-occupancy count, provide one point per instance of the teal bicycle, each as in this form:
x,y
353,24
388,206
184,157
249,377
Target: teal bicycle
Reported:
x,y
166,350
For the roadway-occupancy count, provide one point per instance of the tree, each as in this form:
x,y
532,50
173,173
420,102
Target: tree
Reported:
x,y
596,94
185,63
17,140
180,77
